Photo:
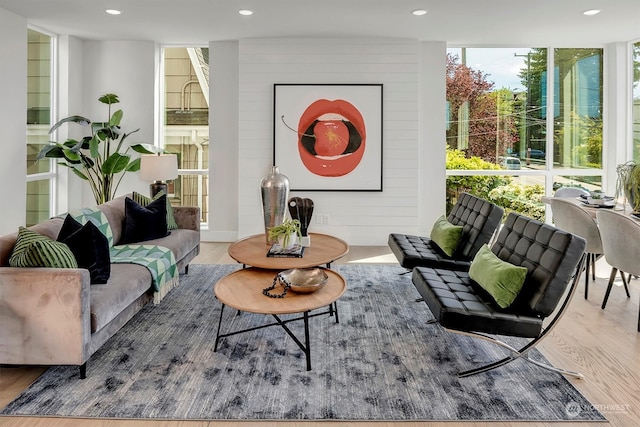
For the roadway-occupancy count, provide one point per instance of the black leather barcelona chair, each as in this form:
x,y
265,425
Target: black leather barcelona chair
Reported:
x,y
553,259
479,219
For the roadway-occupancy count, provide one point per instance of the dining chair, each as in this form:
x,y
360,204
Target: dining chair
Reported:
x,y
569,216
570,192
620,237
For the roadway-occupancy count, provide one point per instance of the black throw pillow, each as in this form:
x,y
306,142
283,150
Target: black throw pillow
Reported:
x,y
89,246
144,222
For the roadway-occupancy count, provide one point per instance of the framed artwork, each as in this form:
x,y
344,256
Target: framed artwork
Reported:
x,y
328,137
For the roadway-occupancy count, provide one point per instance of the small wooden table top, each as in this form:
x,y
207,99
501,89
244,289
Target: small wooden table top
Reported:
x,y
242,290
253,250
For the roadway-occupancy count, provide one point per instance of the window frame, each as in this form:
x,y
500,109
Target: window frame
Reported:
x,y
52,174
549,172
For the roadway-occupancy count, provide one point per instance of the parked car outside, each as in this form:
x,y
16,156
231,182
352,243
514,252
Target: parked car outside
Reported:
x,y
536,154
511,163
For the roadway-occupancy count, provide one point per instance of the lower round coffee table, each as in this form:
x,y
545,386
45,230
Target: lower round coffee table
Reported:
x,y
242,290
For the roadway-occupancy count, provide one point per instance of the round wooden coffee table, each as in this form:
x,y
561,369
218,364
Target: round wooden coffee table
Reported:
x,y
242,290
253,250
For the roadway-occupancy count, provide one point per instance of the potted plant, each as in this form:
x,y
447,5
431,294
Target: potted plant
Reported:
x,y
628,183
285,233
100,157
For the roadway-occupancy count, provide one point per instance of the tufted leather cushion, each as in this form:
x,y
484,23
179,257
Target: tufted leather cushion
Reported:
x,y
550,256
479,219
413,251
459,303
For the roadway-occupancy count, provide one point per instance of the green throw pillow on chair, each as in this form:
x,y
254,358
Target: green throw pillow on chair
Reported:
x,y
446,235
502,280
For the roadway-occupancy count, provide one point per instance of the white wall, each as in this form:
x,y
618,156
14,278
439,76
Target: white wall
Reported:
x,y
128,70
13,86
413,130
223,145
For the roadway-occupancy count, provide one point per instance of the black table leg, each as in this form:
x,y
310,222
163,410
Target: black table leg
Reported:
x,y
215,347
307,349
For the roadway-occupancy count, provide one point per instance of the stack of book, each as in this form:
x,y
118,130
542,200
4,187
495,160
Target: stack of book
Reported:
x,y
295,251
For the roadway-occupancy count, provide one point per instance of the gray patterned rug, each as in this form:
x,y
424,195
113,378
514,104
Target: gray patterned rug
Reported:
x,y
381,362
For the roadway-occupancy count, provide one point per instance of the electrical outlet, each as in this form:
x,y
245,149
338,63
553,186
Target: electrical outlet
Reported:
x,y
322,219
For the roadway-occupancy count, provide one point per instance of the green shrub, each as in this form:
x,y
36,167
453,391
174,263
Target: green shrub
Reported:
x,y
523,199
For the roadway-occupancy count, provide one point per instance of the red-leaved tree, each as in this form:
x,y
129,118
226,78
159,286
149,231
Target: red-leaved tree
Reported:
x,y
484,127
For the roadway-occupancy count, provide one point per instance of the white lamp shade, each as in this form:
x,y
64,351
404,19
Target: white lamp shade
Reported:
x,y
158,167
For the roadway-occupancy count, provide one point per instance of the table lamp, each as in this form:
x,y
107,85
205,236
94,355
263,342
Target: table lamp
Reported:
x,y
157,168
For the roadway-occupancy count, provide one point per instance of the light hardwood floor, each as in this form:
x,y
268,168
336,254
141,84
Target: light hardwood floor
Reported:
x,y
602,344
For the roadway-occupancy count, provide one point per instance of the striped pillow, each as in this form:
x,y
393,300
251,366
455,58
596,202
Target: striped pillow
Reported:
x,y
35,250
144,201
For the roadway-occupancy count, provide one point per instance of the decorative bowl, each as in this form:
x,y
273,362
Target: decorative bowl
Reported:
x,y
595,200
304,280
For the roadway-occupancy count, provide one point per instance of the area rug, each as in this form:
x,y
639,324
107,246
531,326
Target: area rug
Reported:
x,y
382,361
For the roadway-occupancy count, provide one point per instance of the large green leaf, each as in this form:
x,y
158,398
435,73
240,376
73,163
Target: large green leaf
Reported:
x,y
146,148
134,165
116,118
94,145
109,98
115,163
85,142
83,121
51,151
71,156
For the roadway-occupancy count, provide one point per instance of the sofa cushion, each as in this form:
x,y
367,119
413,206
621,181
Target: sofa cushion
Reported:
x,y
35,250
89,246
126,283
145,201
181,242
142,223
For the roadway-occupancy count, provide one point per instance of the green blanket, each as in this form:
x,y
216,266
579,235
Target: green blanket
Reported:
x,y
159,260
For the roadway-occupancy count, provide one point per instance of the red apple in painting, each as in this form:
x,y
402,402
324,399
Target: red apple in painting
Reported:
x,y
331,137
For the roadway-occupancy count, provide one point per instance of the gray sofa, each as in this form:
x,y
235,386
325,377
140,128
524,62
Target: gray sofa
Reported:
x,y
55,316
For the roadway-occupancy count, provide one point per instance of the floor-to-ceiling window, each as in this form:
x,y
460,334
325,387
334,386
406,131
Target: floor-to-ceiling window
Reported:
x,y
186,123
636,102
522,123
41,174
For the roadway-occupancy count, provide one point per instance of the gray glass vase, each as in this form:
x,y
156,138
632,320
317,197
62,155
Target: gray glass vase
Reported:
x,y
274,189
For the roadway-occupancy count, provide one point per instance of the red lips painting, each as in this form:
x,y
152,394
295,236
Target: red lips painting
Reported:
x,y
328,137
331,137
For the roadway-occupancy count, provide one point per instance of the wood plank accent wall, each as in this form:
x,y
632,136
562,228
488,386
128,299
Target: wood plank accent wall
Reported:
x,y
361,218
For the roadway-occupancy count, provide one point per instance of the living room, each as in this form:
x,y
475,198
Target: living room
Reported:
x,y
245,68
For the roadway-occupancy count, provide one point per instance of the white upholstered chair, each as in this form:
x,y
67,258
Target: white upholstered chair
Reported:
x,y
569,216
570,192
620,237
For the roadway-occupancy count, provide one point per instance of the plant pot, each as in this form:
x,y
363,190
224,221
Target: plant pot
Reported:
x,y
290,240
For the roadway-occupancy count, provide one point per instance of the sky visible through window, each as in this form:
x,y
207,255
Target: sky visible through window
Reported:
x,y
501,64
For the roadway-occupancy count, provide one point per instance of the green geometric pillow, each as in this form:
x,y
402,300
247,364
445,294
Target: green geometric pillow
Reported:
x,y
35,250
446,235
144,201
502,280
97,217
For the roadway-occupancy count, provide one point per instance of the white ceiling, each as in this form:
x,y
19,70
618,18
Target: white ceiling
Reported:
x,y
458,22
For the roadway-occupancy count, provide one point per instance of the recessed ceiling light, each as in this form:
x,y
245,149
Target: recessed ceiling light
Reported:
x,y
420,12
591,12
113,11
245,12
